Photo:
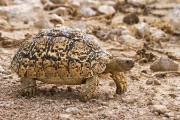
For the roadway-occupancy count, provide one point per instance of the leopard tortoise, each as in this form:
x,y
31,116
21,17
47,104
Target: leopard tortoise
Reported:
x,y
67,56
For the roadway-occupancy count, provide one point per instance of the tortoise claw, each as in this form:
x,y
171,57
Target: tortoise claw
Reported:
x,y
28,92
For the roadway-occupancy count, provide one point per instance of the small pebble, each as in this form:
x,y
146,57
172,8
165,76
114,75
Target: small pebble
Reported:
x,y
73,110
142,29
169,114
164,64
129,100
157,34
104,103
43,23
131,41
156,82
131,19
54,18
106,9
149,82
58,1
111,83
65,116
110,96
108,113
4,24
69,89
87,11
175,18
61,11
140,2
161,109
124,30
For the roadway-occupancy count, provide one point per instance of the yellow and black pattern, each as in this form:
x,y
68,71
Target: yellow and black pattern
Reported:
x,y
60,52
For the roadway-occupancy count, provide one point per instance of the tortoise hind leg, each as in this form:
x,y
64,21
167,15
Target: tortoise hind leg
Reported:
x,y
89,88
120,82
28,87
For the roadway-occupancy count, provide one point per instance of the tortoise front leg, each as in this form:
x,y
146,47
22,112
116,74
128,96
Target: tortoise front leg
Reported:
x,y
120,82
89,88
28,87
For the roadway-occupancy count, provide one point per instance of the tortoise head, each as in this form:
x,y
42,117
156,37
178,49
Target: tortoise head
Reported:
x,y
120,64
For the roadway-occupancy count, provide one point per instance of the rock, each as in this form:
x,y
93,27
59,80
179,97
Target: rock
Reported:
x,y
104,103
101,108
107,33
61,11
169,114
4,24
156,82
149,82
73,110
1,69
159,12
175,18
130,41
54,18
131,19
86,11
110,96
80,25
30,2
124,30
43,22
164,64
44,1
69,89
161,109
108,113
48,5
129,99
76,3
65,116
157,34
117,19
105,9
18,15
59,1
140,2
17,12
111,2
142,29
112,83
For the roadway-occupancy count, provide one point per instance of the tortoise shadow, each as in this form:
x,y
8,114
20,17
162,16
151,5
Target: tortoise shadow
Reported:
x,y
60,94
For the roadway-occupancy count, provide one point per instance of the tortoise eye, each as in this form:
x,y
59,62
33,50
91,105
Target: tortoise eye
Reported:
x,y
127,61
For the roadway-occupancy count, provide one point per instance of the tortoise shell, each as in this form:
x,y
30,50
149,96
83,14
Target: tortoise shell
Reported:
x,y
60,52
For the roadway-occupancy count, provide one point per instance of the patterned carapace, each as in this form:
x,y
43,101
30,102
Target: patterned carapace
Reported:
x,y
60,52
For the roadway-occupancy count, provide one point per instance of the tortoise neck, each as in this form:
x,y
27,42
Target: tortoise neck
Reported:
x,y
112,66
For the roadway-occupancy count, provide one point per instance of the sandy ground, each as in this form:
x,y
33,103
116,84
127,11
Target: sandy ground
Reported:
x,y
150,95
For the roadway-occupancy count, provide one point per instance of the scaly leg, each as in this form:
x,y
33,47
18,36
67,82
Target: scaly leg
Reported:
x,y
120,81
28,87
89,88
